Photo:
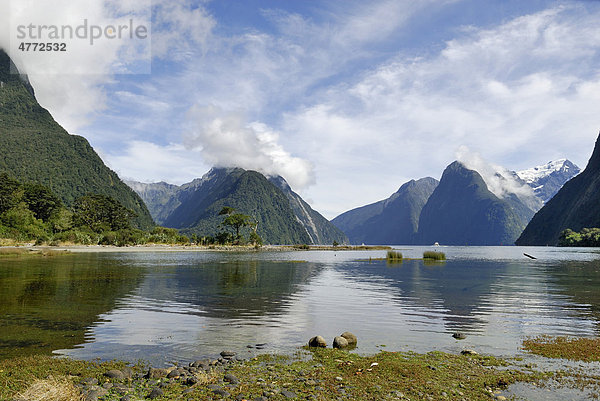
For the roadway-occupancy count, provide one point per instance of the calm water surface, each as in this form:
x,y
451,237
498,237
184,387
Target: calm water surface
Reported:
x,y
180,306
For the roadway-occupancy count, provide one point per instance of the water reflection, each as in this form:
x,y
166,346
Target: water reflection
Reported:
x,y
179,306
47,304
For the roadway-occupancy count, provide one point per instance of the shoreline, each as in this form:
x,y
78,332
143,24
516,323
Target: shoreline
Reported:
x,y
191,248
310,373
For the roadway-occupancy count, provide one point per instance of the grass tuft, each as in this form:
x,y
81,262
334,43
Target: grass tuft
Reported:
x,y
394,257
433,255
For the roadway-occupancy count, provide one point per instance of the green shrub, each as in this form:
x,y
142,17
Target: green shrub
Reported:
x,y
394,257
433,255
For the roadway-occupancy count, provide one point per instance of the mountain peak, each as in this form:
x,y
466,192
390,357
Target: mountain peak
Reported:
x,y
547,179
575,206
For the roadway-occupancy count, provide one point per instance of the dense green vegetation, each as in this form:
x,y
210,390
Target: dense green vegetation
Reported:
x,y
586,237
249,193
32,213
575,206
36,149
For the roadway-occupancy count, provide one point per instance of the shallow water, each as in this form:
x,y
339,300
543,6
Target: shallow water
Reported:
x,y
181,306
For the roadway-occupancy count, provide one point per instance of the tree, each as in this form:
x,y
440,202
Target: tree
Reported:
x,y
11,192
235,221
102,213
41,201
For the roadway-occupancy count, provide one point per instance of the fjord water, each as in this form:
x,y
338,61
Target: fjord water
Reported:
x,y
179,306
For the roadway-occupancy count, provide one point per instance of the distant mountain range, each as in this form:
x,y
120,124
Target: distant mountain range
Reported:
x,y
391,221
547,179
462,209
575,206
283,216
35,148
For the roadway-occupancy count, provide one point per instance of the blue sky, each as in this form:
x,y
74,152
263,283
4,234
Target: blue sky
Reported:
x,y
346,99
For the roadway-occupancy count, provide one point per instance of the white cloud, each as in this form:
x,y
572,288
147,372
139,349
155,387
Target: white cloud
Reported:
x,y
514,92
224,139
70,83
499,180
148,162
180,28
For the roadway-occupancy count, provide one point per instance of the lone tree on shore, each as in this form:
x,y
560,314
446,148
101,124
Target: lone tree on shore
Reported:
x,y
235,221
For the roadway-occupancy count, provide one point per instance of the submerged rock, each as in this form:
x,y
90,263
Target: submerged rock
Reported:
x,y
340,342
351,338
317,341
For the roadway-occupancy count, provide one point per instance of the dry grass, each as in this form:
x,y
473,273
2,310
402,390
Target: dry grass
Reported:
x,y
51,389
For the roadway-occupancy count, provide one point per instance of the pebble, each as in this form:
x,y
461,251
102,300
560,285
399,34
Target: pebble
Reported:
x,y
288,394
115,374
459,336
156,373
227,354
231,379
468,352
155,393
221,392
92,381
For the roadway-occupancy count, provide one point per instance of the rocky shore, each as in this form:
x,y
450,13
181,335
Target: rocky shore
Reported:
x,y
313,373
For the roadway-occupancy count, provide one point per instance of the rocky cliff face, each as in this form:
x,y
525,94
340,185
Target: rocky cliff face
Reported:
x,y
576,205
320,230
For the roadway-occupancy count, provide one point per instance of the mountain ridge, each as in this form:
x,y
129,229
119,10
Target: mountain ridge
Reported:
x,y
35,148
390,221
192,207
463,211
575,206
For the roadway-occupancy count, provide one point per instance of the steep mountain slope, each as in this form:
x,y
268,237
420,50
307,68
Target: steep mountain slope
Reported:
x,y
546,180
162,198
194,207
462,211
391,221
320,230
35,148
283,216
575,206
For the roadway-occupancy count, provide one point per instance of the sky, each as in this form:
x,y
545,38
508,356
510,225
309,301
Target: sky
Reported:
x,y
347,100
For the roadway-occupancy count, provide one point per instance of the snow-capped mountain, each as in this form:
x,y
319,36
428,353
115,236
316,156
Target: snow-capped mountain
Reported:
x,y
548,178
